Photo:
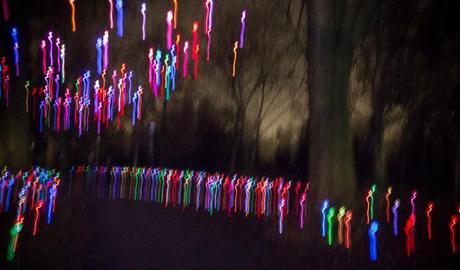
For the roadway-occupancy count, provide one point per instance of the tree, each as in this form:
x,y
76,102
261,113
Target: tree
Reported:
x,y
334,29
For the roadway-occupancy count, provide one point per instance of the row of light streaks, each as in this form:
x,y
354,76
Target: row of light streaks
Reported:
x,y
213,192
4,81
35,190
261,197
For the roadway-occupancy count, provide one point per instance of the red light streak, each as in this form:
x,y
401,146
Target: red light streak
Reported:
x,y
453,238
429,209
387,198
347,221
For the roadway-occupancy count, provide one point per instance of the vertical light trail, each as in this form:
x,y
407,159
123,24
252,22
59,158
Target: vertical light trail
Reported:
x,y
72,15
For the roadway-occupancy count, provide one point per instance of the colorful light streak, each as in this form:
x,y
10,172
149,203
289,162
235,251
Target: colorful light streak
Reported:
x,y
110,13
347,221
14,232
62,63
14,35
387,198
185,61
243,27
143,9
409,230
395,217
302,200
50,40
281,215
374,227
235,55
27,93
176,7
119,6
72,16
208,25
370,204
178,49
99,55
169,29
412,202
429,209
340,216
44,67
324,207
453,239
330,222
105,42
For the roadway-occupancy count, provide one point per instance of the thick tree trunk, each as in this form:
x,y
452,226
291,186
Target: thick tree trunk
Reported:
x,y
376,124
329,57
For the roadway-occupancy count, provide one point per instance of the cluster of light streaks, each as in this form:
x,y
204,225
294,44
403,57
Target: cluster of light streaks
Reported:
x,y
106,102
36,190
162,73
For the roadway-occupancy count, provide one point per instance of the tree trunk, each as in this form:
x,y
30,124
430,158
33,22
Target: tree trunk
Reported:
x,y
376,122
329,57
